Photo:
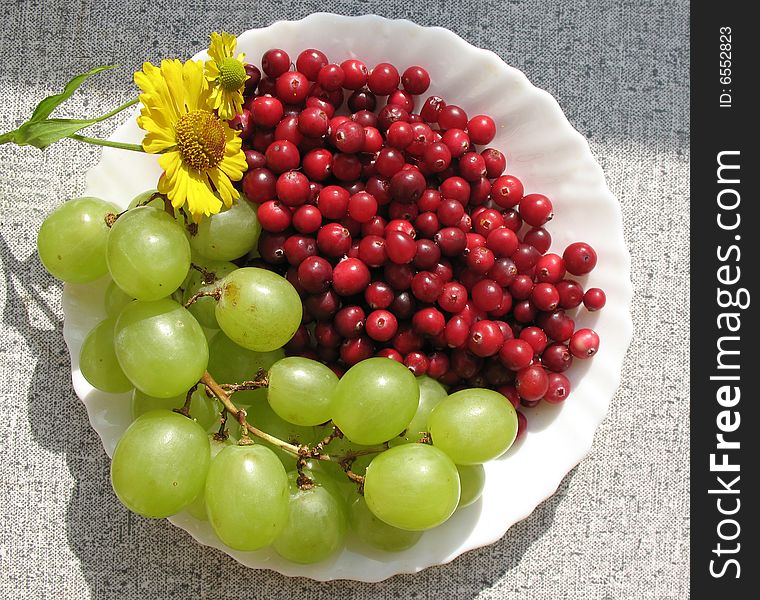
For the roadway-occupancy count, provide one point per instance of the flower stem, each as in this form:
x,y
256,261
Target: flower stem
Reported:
x,y
108,143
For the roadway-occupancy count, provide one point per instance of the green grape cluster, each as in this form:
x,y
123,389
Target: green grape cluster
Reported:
x,y
376,454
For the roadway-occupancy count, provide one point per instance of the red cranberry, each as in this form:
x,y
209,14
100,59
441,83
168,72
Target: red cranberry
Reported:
x,y
532,383
539,238
292,87
525,257
557,357
427,224
348,137
403,305
383,79
439,364
521,287
516,354
255,159
455,188
271,247
313,122
407,340
482,129
389,162
488,221
259,185
310,63
372,251
379,295
292,188
522,425
507,191
431,108
457,141
417,363
375,226
407,185
354,74
275,62
331,77
361,100
323,306
356,350
570,293
536,337
485,339
398,276
486,294
373,142
389,114
307,219
346,167
496,163
594,299
314,274
453,297
451,240
512,219
480,260
381,325
391,353
287,129
299,342
426,286
584,343
266,86
502,241
333,240
503,271
282,156
333,202
350,276
274,216
266,111
452,117
362,207
437,157
559,388
254,76
428,321
557,325
472,167
536,209
400,247
298,247
457,331
545,296
580,258
317,164
465,364
450,212
404,100
428,254
443,270
349,321
399,135
242,122
550,268
415,80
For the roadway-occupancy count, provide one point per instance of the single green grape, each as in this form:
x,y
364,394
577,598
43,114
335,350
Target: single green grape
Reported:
x,y
413,486
431,393
72,240
375,400
98,362
203,308
228,235
230,363
300,390
258,309
317,521
115,299
160,463
473,425
203,409
247,496
472,479
197,507
160,347
376,533
142,198
148,253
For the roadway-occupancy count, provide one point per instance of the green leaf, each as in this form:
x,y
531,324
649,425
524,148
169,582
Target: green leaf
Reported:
x,y
39,131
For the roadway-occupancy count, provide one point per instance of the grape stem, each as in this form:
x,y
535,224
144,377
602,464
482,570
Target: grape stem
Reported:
x,y
209,277
221,435
260,381
185,410
217,293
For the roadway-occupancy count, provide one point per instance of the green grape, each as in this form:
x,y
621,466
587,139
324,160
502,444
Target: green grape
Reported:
x,y
203,409
473,426
160,464
203,308
229,234
197,507
375,400
472,479
317,521
261,416
230,363
115,299
98,362
300,390
374,532
160,347
413,486
72,240
431,393
258,309
247,496
143,197
148,253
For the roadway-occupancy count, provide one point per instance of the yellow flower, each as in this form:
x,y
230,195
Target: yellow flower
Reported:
x,y
200,154
226,75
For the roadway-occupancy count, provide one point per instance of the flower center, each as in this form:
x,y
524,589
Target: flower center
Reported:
x,y
200,139
232,73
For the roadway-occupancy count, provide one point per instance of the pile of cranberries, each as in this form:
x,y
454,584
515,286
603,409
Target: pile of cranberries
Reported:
x,y
402,237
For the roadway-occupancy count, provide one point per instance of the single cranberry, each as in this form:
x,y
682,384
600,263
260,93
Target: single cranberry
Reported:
x,y
451,240
536,209
559,388
584,343
317,164
516,354
545,296
383,79
292,188
417,362
570,293
486,294
287,129
362,207
266,111
399,135
275,62
389,114
464,364
455,188
580,258
333,240
323,105
254,76
372,251
474,240
428,254
356,350
391,353
415,80
550,268
292,87
482,129
429,322
539,238
443,270
503,271
407,185
532,383
485,338
430,200
242,122
427,224
457,331
505,305
431,108
299,247
480,260
389,162
472,167
346,167
521,287
354,74
331,77
512,219
468,278
398,276
310,63
259,185
404,211
496,162
323,306
292,276
488,221
507,191
379,295
439,364
557,325
348,137
557,357
536,337
407,340
282,156
350,276
381,325
403,305
271,247
524,311
404,100
314,274
375,226
313,122
525,257
594,299
452,117
453,297
502,241
400,247
437,157
480,191
509,391
274,216
333,202
266,86
262,139
299,342
373,142
349,321
426,286
361,100
450,212
255,159
423,136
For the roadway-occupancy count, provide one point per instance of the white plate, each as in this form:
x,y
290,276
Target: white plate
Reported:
x,y
550,157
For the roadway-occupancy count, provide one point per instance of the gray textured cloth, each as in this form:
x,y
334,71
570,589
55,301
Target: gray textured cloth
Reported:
x,y
618,525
